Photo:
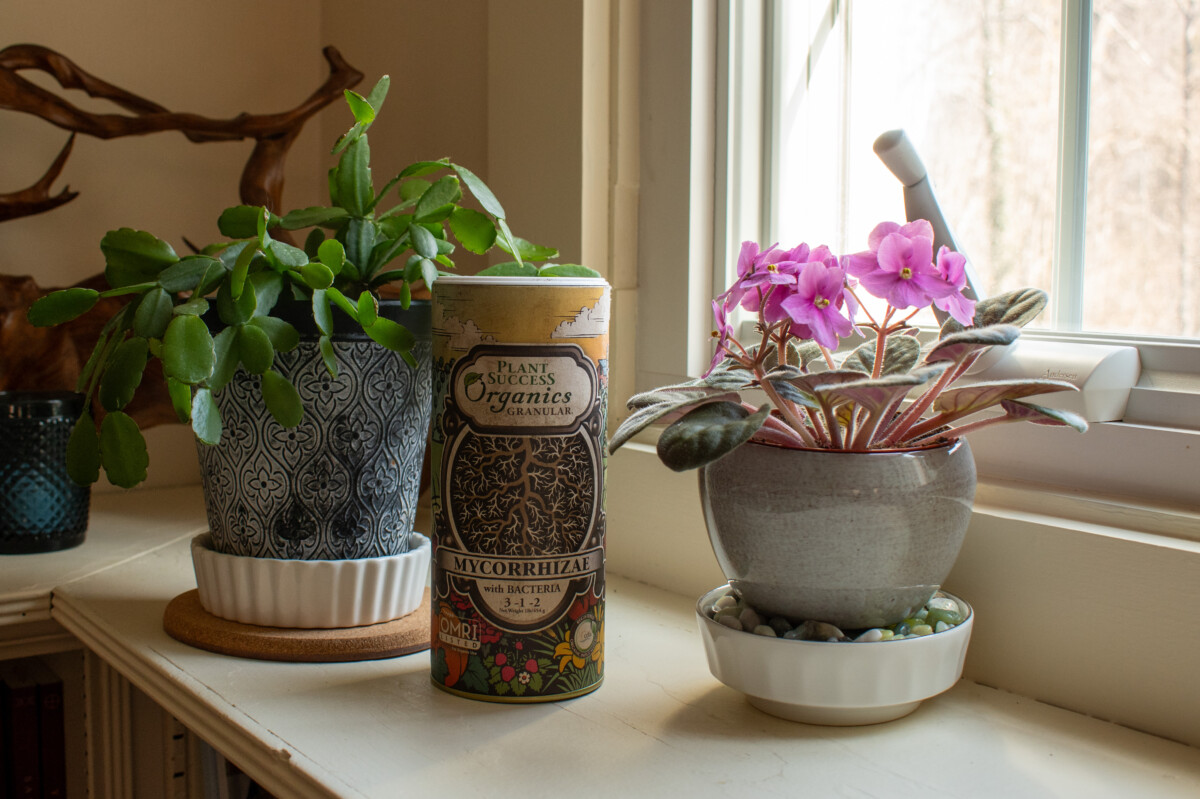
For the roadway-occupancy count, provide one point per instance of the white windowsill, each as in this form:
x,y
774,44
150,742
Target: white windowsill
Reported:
x,y
659,725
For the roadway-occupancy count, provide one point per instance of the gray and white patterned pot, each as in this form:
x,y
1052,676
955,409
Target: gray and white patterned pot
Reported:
x,y
854,539
344,483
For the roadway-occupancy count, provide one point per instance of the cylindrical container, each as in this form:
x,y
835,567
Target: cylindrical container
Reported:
x,y
520,372
41,508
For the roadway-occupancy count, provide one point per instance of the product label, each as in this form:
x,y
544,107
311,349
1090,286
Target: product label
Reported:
x,y
518,499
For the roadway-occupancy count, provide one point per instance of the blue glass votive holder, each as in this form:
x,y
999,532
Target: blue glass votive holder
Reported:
x,y
41,508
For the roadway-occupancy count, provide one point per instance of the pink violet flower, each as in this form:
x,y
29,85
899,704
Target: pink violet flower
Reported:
x,y
817,303
952,266
904,273
722,334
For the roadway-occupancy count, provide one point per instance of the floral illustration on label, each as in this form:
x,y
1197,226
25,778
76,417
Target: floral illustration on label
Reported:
x,y
519,557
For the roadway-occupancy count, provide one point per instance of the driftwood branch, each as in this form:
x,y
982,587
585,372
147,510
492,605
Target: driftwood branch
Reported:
x,y
37,198
51,358
262,178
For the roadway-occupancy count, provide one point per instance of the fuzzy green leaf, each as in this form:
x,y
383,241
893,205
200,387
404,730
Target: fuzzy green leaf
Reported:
x,y
1017,308
83,452
62,306
1039,414
134,256
959,402
123,450
957,346
877,395
708,433
900,354
669,407
282,399
188,350
123,373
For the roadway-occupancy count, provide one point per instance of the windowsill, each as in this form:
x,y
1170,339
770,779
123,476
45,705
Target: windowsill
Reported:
x,y
660,723
1084,614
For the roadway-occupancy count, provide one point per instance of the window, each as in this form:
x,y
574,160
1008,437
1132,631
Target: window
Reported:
x,y
1105,216
681,261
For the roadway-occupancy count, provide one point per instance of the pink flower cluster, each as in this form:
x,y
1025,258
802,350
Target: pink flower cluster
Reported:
x,y
809,293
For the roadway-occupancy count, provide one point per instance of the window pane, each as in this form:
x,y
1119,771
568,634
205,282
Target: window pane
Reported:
x,y
975,86
1143,205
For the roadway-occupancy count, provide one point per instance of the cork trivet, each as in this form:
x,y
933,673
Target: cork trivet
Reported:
x,y
187,621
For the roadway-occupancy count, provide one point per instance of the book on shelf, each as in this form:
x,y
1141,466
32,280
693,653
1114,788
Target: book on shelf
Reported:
x,y
33,727
22,759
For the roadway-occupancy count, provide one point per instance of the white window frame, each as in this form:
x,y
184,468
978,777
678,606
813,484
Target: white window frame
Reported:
x,y
691,127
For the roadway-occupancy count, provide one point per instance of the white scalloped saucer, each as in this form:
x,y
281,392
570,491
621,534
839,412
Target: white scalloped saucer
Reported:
x,y
310,594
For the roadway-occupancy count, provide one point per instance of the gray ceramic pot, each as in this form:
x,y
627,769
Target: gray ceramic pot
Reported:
x,y
344,483
854,539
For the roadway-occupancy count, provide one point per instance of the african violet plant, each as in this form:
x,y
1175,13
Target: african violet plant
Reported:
x,y
346,260
807,300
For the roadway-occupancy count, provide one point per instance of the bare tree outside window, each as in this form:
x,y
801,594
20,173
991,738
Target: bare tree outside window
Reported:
x,y
976,87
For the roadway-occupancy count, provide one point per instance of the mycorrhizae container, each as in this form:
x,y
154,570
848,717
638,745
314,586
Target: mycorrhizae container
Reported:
x,y
520,388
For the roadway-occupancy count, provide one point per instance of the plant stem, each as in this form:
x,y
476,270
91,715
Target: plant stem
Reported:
x,y
786,409
966,429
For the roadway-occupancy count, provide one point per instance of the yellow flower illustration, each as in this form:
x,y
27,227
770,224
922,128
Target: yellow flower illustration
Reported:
x,y
584,640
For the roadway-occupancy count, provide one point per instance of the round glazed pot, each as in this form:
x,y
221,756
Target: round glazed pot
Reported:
x,y
344,483
853,539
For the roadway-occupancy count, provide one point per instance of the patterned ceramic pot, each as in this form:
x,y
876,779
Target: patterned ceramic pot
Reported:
x,y
854,539
344,483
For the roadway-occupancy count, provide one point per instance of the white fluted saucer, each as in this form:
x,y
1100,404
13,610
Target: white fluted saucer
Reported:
x,y
310,594
837,684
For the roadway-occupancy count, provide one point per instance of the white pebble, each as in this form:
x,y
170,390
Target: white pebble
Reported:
x,y
726,601
730,622
870,636
749,618
765,629
943,603
941,626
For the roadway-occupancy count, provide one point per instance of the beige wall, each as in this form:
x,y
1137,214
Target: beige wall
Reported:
x,y
219,58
